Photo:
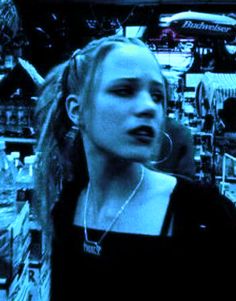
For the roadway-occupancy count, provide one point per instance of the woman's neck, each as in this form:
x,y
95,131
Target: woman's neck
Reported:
x,y
112,180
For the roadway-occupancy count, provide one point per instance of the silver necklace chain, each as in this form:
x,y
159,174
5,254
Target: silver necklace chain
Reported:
x,y
95,247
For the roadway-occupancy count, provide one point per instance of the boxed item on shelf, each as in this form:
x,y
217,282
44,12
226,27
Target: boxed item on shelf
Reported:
x,y
18,288
14,243
6,256
38,242
20,234
39,279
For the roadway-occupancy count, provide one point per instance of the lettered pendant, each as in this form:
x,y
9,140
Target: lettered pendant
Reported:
x,y
92,247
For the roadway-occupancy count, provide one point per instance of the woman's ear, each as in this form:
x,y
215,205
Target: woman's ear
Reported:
x,y
73,108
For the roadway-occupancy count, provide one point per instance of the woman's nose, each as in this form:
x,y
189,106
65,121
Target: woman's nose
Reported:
x,y
146,106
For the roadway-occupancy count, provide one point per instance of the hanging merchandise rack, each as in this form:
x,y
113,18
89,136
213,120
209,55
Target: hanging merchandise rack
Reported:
x,y
228,183
212,90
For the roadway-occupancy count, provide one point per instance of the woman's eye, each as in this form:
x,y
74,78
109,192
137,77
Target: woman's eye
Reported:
x,y
157,97
123,92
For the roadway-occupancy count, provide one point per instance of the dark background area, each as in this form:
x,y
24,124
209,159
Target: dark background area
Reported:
x,y
53,29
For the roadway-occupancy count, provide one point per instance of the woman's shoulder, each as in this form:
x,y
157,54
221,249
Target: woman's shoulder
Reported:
x,y
203,205
200,194
161,181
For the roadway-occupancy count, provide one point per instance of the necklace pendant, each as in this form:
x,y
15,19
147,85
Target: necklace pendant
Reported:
x,y
92,247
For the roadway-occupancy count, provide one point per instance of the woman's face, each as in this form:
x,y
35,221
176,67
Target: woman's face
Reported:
x,y
127,108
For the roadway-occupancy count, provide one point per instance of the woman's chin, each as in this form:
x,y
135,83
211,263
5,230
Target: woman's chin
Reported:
x,y
140,158
132,156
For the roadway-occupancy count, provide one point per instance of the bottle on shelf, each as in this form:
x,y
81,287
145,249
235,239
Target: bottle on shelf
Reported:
x,y
25,180
16,159
8,210
10,159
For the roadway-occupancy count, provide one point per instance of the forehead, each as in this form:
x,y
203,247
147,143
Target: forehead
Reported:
x,y
130,61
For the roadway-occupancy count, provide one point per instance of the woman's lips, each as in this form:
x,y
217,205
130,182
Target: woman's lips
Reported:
x,y
144,134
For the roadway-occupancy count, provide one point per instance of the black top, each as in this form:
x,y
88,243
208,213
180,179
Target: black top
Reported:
x,y
203,241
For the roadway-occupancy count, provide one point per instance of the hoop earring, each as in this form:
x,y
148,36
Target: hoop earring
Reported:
x,y
73,132
154,162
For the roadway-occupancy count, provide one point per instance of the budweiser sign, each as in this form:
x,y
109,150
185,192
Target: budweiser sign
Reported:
x,y
206,27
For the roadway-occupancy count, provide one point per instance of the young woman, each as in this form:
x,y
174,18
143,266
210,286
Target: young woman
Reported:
x,y
117,221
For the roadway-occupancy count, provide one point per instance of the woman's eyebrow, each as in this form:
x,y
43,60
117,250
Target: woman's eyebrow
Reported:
x,y
158,85
124,80
135,80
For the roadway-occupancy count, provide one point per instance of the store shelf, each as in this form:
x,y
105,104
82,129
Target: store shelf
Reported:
x,y
231,195
18,140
